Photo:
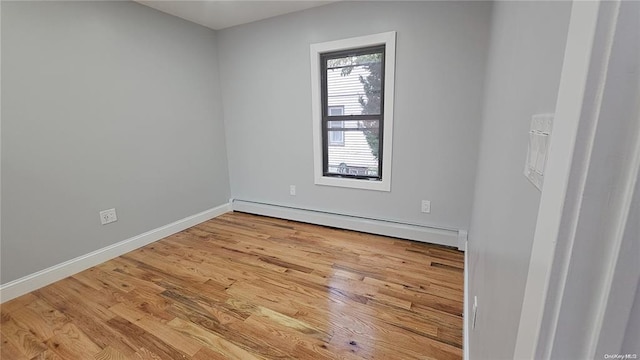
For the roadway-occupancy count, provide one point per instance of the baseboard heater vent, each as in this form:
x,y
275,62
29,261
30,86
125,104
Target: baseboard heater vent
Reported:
x,y
421,233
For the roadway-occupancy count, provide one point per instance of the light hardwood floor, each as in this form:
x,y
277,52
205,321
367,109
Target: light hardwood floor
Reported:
x,y
248,287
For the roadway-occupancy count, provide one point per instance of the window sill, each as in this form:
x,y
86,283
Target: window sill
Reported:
x,y
354,183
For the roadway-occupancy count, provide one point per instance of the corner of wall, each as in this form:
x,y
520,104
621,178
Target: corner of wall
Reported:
x,y
57,272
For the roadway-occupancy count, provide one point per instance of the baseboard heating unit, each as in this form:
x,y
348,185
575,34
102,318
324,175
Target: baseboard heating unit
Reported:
x,y
433,235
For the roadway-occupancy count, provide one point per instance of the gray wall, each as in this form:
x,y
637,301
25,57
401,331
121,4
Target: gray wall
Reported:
x,y
630,344
607,197
623,303
104,104
441,51
522,78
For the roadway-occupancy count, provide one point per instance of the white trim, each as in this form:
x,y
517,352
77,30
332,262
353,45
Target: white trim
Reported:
x,y
465,314
374,226
569,107
0,133
604,30
60,271
353,183
389,40
616,240
462,240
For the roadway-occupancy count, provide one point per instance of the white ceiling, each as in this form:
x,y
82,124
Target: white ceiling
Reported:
x,y
218,15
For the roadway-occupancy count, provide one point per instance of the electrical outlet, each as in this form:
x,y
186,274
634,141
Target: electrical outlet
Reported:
x,y
474,312
426,206
292,190
108,216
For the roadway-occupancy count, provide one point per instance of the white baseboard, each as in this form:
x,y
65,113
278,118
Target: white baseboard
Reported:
x,y
60,271
373,226
465,313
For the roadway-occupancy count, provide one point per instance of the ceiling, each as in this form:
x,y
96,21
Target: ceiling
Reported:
x,y
218,15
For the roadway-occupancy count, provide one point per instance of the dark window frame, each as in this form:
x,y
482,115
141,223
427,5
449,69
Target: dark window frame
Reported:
x,y
326,118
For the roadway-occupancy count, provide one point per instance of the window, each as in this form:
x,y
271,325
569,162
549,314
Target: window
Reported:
x,y
352,101
336,138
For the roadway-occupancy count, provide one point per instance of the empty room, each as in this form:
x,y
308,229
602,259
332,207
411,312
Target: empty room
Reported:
x,y
319,179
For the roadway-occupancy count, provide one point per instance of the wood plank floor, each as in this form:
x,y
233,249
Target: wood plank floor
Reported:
x,y
248,287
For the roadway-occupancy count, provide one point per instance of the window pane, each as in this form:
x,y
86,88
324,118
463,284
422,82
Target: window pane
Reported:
x,y
358,153
336,110
336,137
354,83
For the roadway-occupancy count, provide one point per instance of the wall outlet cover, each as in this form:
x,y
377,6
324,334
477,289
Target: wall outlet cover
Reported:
x,y
108,216
426,206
